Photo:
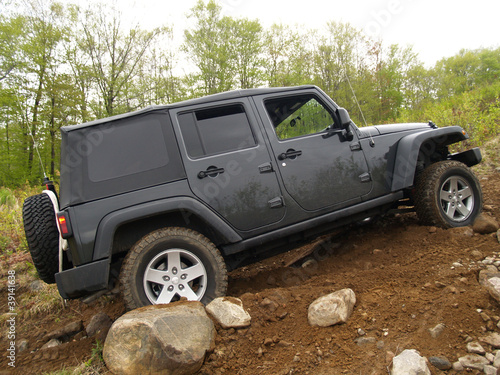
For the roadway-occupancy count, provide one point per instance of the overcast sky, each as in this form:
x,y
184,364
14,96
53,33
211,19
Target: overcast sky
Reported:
x,y
435,28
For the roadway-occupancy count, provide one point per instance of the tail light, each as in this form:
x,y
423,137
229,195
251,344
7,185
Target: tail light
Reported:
x,y
64,224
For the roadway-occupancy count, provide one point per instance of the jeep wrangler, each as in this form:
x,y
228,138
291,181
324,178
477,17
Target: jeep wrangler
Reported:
x,y
167,199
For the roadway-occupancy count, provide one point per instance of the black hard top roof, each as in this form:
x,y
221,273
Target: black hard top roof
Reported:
x,y
206,99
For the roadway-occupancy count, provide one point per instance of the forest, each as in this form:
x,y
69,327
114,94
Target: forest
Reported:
x,y
62,65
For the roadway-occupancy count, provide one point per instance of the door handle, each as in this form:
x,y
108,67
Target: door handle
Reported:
x,y
210,172
290,154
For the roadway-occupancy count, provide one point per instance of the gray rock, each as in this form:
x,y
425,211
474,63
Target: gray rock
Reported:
x,y
440,363
160,339
490,280
496,361
361,341
100,322
229,312
457,366
269,304
22,346
36,285
332,309
51,344
485,224
473,361
493,339
475,348
66,332
490,357
409,362
490,370
437,330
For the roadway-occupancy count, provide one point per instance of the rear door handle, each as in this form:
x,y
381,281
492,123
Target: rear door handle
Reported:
x,y
290,154
210,172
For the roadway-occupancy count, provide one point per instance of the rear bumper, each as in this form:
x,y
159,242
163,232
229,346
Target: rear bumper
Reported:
x,y
469,158
83,280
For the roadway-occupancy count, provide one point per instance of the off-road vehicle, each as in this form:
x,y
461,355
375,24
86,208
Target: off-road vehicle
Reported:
x,y
167,199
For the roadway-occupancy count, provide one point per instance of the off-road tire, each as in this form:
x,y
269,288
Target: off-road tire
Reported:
x,y
186,241
42,235
432,199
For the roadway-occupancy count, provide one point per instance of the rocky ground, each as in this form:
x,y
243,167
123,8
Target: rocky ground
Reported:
x,y
416,288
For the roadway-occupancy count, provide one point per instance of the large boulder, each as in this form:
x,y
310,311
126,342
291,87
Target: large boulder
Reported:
x,y
409,362
161,339
332,309
229,312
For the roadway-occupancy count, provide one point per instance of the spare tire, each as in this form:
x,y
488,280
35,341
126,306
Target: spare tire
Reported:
x,y
42,235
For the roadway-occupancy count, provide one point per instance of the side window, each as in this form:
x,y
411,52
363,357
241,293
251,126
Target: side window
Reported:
x,y
216,130
296,116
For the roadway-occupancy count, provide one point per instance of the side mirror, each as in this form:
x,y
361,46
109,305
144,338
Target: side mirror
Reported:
x,y
345,119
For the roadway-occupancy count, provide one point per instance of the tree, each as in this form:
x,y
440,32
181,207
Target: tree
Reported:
x,y
115,53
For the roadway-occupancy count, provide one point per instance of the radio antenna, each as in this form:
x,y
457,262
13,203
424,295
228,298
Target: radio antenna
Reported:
x,y
372,142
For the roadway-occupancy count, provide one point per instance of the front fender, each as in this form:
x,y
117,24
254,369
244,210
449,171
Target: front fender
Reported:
x,y
187,206
410,146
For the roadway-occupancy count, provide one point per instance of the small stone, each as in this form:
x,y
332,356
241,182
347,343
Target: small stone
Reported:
x,y
437,330
380,345
476,254
409,362
490,370
269,304
361,332
332,309
493,339
439,284
440,363
36,285
229,312
496,360
432,229
457,366
51,344
490,357
473,361
498,235
296,358
377,251
476,348
457,265
68,331
22,346
259,352
100,322
485,224
268,341
361,341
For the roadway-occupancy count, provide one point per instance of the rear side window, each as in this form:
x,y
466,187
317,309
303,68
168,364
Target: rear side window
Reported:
x,y
216,130
127,149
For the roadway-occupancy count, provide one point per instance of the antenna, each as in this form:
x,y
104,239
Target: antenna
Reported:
x,y
372,142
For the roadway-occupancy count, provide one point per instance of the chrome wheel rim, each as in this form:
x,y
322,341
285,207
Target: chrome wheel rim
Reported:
x,y
456,199
173,274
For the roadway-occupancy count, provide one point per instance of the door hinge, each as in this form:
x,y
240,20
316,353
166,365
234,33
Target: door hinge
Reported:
x,y
365,177
265,168
276,202
355,146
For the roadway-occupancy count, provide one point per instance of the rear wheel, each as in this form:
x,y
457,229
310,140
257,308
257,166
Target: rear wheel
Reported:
x,y
448,195
42,235
169,264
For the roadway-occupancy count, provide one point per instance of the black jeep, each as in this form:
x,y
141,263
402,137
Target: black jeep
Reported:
x,y
168,198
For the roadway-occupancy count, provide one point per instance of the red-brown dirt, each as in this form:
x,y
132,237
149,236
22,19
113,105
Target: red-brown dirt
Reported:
x,y
401,272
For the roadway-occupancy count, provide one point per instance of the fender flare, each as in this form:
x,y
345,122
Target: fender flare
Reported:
x,y
187,206
409,147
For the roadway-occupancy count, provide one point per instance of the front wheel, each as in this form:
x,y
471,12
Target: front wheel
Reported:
x,y
169,264
448,195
